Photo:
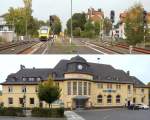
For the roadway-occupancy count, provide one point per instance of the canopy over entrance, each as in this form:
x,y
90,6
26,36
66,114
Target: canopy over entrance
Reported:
x,y
80,98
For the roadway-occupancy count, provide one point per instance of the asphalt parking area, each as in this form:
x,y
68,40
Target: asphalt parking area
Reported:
x,y
114,114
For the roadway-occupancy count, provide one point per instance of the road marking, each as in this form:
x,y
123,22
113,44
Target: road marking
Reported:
x,y
73,116
45,50
106,117
96,50
100,47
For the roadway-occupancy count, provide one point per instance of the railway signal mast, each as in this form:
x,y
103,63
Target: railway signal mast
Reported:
x,y
51,21
112,16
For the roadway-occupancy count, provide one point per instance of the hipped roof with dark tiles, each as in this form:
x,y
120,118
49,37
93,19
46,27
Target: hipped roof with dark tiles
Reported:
x,y
100,72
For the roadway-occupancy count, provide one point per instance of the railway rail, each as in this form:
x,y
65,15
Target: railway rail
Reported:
x,y
34,48
142,50
11,45
107,45
101,49
16,47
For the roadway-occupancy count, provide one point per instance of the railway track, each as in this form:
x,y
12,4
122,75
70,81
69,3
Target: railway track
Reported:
x,y
15,48
34,49
124,46
141,50
136,50
100,49
11,45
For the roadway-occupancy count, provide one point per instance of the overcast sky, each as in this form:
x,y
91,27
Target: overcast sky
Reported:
x,y
138,65
43,8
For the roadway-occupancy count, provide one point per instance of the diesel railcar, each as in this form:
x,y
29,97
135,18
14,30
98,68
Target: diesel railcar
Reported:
x,y
44,33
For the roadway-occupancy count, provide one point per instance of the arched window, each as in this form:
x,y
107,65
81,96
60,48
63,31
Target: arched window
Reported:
x,y
99,99
118,99
109,99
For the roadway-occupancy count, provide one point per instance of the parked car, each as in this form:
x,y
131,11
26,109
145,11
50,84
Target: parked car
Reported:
x,y
142,106
138,106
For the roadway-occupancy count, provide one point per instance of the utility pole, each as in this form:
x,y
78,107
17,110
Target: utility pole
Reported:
x,y
144,36
26,24
26,27
145,25
71,25
101,29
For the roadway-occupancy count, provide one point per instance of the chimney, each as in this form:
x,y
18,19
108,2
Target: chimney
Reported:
x,y
128,73
22,67
100,10
89,13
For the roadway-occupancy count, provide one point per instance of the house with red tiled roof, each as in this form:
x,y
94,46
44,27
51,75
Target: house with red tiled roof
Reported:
x,y
123,16
122,23
95,15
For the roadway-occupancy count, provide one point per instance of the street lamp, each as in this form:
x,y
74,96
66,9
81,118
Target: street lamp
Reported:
x,y
26,27
101,29
71,24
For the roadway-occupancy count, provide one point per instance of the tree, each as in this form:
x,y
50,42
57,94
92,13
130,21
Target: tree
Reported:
x,y
78,21
89,26
77,32
16,17
28,7
148,84
0,93
97,27
56,27
107,25
21,18
48,91
89,30
134,27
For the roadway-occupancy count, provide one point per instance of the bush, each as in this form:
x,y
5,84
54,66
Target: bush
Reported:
x,y
76,32
45,112
2,39
88,34
11,112
1,104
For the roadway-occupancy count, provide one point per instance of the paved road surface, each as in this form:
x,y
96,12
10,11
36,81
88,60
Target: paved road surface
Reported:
x,y
115,114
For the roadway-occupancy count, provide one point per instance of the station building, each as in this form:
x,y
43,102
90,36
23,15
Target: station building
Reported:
x,y
83,84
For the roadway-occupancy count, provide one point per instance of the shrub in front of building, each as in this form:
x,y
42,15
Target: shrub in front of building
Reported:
x,y
2,40
45,112
11,112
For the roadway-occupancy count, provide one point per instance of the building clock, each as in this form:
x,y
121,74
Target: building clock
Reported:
x,y
80,67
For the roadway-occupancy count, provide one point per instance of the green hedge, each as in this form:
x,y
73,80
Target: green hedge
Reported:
x,y
44,112
11,112
88,34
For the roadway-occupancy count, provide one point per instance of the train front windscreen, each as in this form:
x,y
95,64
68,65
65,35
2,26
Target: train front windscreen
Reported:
x,y
44,31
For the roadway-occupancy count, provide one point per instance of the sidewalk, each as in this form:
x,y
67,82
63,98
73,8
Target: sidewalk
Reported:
x,y
29,118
